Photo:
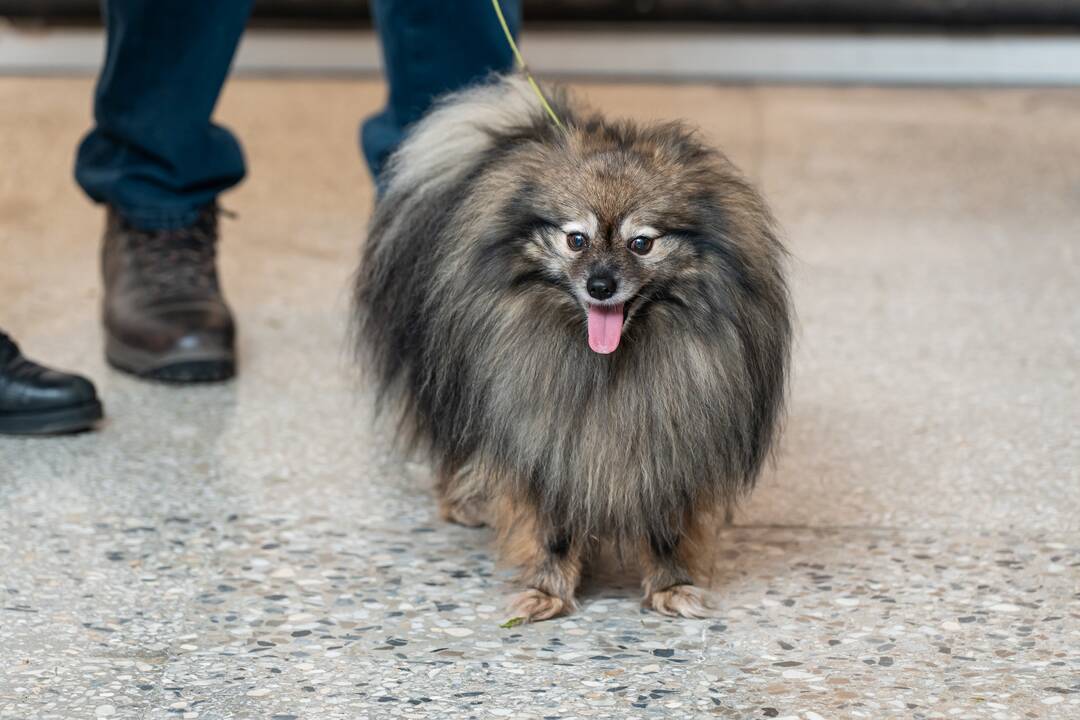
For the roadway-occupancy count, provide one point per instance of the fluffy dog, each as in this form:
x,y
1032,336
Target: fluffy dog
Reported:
x,y
588,327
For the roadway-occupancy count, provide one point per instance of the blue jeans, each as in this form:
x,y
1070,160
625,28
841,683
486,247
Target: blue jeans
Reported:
x,y
155,155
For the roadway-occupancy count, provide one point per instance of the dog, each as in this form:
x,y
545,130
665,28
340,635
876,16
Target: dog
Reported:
x,y
588,327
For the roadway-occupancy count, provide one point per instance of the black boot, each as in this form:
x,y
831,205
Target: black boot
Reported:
x,y
35,400
165,315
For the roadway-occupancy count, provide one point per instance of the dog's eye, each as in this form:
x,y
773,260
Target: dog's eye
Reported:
x,y
641,245
576,241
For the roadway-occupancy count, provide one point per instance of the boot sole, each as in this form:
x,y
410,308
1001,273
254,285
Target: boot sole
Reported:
x,y
178,367
52,422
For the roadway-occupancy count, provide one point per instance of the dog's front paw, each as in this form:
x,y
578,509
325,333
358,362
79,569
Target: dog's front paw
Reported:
x,y
534,605
688,601
470,512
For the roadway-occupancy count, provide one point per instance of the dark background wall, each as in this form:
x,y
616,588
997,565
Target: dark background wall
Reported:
x,y
946,13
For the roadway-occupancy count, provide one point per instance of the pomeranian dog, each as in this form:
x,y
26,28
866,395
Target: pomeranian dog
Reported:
x,y
588,326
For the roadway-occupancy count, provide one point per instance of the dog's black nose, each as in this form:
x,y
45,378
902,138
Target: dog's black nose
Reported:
x,y
601,287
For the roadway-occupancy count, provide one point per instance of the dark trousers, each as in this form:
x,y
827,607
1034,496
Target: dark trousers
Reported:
x,y
156,156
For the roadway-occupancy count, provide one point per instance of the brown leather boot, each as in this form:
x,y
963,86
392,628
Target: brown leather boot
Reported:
x,y
165,315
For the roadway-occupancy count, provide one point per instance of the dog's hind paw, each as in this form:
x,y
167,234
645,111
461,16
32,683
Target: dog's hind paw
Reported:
x,y
534,605
688,601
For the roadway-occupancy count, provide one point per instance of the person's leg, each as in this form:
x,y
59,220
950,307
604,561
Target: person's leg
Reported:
x,y
159,163
154,155
431,47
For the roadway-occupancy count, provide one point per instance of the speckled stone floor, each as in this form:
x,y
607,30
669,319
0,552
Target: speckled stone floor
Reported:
x,y
256,550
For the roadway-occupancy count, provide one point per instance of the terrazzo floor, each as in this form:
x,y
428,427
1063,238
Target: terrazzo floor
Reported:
x,y
256,550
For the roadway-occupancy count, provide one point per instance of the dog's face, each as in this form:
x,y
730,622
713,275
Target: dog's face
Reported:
x,y
616,226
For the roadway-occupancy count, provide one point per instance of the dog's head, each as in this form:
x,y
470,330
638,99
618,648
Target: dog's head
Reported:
x,y
622,216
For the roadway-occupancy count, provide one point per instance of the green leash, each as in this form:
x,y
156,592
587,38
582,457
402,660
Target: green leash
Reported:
x,y
523,66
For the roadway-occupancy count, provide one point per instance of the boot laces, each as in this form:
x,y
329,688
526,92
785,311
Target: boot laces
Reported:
x,y
179,262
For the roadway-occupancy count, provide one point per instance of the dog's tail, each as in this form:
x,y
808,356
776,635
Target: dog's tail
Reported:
x,y
463,126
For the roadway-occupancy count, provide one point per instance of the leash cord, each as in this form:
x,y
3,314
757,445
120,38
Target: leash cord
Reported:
x,y
523,66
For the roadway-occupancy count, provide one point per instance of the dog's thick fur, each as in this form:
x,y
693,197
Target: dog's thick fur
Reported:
x,y
471,313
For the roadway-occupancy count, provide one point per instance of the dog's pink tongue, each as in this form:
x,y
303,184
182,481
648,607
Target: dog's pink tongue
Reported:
x,y
605,327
